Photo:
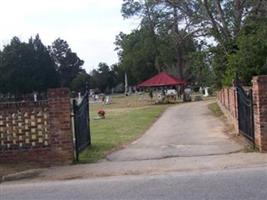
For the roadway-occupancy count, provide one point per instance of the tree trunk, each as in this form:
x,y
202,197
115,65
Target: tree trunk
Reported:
x,y
152,31
178,40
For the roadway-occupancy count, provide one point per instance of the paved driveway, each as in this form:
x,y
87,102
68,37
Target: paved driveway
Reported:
x,y
184,130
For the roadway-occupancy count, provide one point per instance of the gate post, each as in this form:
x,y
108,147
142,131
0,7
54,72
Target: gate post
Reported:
x,y
60,125
74,105
259,89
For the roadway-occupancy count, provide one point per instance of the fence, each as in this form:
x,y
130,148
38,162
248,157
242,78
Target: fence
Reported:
x,y
228,101
37,131
81,124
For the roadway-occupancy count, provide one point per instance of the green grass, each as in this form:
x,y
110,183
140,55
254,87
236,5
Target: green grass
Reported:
x,y
215,109
121,126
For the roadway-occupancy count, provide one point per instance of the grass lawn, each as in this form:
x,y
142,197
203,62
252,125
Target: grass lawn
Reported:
x,y
127,118
215,109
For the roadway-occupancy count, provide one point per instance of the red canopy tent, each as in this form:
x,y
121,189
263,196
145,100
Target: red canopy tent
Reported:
x,y
162,79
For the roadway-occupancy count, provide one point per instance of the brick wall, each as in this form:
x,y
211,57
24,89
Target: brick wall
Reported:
x,y
260,111
37,131
227,100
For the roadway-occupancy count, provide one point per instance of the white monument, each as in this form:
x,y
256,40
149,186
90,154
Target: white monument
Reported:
x,y
206,92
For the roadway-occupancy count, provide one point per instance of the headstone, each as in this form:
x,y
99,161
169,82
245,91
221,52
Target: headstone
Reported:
x,y
79,100
171,92
206,94
200,90
96,97
130,90
108,100
187,94
35,97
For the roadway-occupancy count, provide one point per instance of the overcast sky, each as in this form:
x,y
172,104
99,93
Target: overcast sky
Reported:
x,y
89,26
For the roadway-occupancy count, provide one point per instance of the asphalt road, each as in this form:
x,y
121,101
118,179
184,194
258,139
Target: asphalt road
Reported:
x,y
243,184
184,130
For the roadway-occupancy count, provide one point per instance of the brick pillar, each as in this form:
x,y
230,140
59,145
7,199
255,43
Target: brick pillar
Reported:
x,y
228,99
236,110
59,108
235,103
223,97
260,111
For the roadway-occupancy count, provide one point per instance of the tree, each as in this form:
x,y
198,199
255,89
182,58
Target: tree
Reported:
x,y
68,64
221,20
170,43
103,78
181,36
251,57
45,73
200,68
118,74
26,67
79,83
147,10
137,55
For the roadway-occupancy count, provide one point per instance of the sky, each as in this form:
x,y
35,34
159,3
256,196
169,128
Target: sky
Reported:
x,y
89,26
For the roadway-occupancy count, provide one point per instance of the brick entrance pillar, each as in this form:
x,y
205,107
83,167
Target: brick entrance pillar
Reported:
x,y
260,111
60,125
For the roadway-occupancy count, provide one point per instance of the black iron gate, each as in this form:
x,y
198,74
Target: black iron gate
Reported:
x,y
81,124
245,112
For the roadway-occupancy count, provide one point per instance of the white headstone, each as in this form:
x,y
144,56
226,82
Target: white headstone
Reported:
x,y
35,97
206,94
108,100
79,98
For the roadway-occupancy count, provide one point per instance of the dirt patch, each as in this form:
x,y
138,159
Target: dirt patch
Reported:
x,y
10,168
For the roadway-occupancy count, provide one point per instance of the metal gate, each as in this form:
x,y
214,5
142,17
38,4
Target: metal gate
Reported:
x,y
245,112
81,125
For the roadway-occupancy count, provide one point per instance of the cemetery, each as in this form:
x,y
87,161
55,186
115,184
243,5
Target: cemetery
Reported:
x,y
119,119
